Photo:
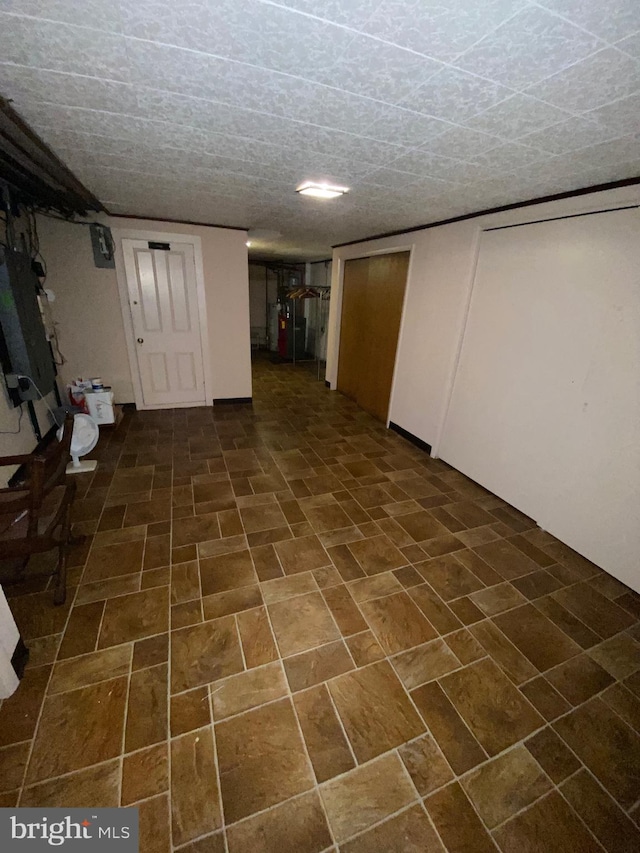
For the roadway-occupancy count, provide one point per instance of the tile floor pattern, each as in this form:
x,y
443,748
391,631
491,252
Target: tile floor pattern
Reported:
x,y
291,630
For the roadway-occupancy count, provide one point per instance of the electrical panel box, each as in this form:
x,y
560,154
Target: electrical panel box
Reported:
x,y
102,245
24,348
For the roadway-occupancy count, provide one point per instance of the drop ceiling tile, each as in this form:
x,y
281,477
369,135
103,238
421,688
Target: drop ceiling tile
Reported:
x,y
350,13
570,135
422,192
622,150
328,107
98,14
603,174
373,201
528,185
516,116
212,116
462,143
508,157
20,84
116,126
82,143
197,74
604,77
556,174
347,146
428,165
404,127
560,175
485,195
391,178
630,45
308,164
62,47
622,117
85,160
242,148
423,187
62,118
440,30
225,170
274,130
320,167
243,30
531,46
609,19
454,95
159,66
375,69
287,177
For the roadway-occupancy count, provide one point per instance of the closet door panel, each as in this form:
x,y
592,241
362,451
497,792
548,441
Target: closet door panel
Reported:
x,y
351,361
386,285
545,409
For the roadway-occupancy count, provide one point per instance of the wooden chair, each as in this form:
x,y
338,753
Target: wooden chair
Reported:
x,y
35,516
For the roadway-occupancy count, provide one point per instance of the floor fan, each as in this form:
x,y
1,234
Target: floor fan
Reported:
x,y
83,439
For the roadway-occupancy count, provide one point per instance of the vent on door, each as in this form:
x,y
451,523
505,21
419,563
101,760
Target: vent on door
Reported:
x,y
164,247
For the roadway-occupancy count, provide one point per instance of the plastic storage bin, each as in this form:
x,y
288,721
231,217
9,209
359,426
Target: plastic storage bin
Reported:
x,y
100,405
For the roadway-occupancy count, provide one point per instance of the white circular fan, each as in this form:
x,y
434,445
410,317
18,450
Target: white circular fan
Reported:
x,y
83,439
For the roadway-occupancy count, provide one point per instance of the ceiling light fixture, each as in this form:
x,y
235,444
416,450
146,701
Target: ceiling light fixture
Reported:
x,y
321,190
248,243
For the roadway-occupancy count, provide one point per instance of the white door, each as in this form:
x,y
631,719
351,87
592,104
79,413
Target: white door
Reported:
x,y
163,297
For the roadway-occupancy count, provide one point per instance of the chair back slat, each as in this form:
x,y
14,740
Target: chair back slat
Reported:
x,y
48,470
35,516
56,457
14,501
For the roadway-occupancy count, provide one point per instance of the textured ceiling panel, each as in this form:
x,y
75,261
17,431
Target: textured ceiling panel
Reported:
x,y
214,110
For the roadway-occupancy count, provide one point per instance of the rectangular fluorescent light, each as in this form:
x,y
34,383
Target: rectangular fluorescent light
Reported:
x,y
321,190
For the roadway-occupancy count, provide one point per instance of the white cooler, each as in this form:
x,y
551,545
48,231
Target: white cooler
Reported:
x,y
100,405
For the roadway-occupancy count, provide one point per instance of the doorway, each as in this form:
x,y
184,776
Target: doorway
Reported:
x,y
289,310
372,298
166,346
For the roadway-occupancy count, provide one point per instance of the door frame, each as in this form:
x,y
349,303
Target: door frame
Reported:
x,y
120,234
335,311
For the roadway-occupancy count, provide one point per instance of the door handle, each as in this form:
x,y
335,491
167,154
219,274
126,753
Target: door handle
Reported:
x,y
140,340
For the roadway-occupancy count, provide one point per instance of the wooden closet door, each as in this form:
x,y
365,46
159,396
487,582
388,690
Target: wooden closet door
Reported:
x,y
385,296
352,352
373,296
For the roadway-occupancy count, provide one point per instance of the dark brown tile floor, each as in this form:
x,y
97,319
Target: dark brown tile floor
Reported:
x,y
290,630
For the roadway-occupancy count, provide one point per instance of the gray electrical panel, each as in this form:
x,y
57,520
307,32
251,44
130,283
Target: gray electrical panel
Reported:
x,y
24,348
102,245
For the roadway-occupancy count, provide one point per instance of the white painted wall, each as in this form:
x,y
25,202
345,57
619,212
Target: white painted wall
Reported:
x,y
89,317
320,274
439,285
545,409
17,435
